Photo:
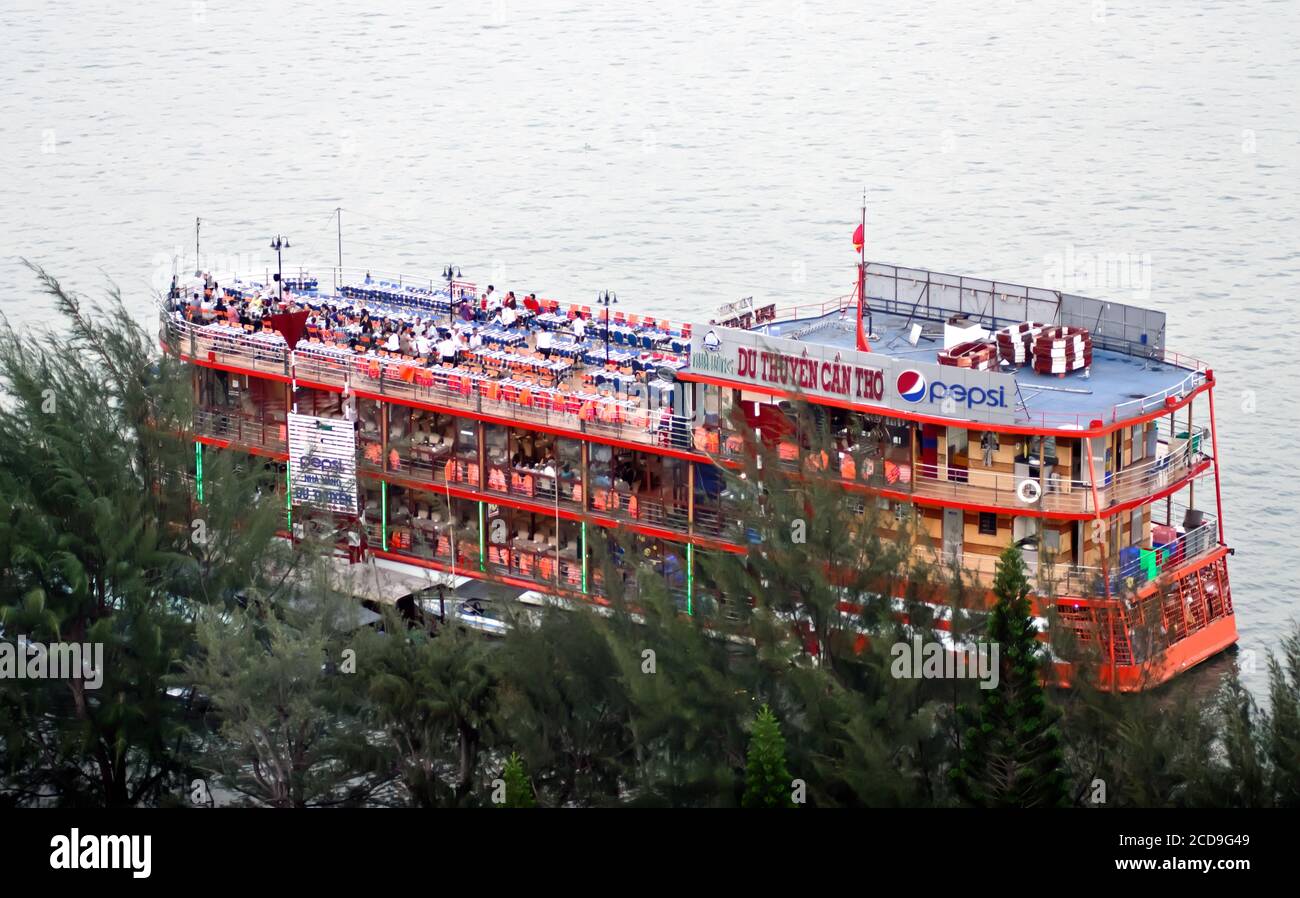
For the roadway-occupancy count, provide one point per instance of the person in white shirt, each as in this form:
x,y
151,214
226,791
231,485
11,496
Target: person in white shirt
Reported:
x,y
508,317
579,327
545,341
475,340
423,345
394,342
447,351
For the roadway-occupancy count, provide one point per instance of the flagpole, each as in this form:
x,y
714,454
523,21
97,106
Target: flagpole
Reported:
x,y
863,345
862,258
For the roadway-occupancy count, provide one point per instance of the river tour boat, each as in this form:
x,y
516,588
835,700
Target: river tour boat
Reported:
x,y
495,435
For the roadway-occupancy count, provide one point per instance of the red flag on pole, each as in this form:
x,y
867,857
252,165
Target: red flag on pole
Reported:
x,y
859,242
863,345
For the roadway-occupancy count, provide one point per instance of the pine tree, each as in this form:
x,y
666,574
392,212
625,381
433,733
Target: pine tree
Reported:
x,y
88,554
519,791
767,779
1011,754
292,716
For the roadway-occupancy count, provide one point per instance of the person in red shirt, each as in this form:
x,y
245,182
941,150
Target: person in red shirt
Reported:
x,y
532,305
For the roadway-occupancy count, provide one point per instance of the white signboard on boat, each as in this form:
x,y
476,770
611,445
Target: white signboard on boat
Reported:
x,y
323,463
796,368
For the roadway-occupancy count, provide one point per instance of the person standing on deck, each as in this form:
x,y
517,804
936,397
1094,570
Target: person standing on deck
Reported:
x,y
447,351
423,345
545,341
579,327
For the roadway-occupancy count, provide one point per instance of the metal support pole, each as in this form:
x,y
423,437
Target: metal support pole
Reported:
x,y
1214,445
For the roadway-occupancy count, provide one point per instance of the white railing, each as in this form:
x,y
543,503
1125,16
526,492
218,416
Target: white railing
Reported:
x,y
1089,581
512,401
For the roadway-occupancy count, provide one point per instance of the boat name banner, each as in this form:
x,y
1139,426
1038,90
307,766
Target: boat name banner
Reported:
x,y
323,463
847,375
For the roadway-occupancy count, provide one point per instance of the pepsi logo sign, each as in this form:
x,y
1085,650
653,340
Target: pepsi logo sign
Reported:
x,y
911,385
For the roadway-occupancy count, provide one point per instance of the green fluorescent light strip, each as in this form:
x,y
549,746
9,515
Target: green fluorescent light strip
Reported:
x,y
198,466
584,558
288,499
690,576
383,511
482,537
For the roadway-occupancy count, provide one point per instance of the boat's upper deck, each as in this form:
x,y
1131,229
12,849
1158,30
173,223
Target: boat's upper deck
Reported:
x,y
1117,384
1109,358
617,355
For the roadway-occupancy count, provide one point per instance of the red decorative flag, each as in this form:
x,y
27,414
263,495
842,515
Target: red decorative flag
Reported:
x,y
859,237
863,345
290,325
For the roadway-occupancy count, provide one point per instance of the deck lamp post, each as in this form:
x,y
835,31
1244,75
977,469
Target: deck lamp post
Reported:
x,y
606,300
451,273
279,244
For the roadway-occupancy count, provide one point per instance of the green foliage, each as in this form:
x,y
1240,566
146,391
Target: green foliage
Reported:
x,y
87,555
1280,732
1012,756
566,706
436,699
290,710
230,656
519,791
767,778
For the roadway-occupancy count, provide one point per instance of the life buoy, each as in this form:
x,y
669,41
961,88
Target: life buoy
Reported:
x,y
1029,491
1015,342
1060,350
977,355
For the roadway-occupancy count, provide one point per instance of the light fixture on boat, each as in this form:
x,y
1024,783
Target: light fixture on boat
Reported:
x,y
451,273
607,299
279,244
